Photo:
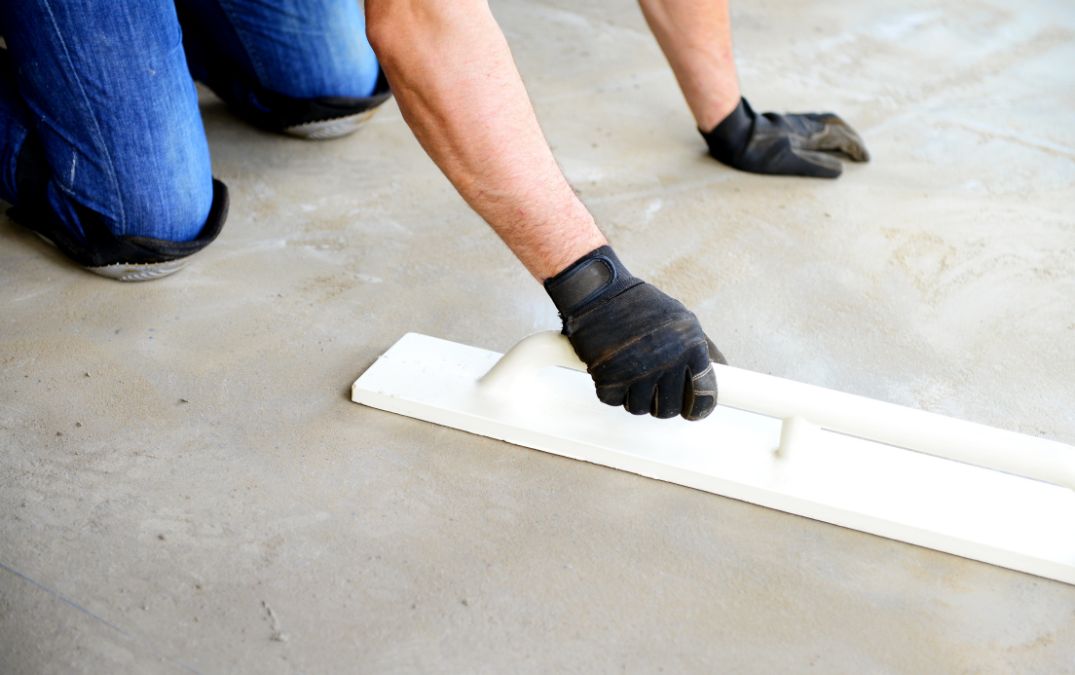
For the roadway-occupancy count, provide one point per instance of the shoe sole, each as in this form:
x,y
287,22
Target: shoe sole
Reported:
x,y
139,272
323,130
131,271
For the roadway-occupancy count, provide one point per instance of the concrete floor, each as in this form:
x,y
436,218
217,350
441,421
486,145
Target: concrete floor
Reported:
x,y
184,484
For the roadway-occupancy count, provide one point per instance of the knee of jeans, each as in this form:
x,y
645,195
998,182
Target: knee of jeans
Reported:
x,y
347,76
339,63
171,205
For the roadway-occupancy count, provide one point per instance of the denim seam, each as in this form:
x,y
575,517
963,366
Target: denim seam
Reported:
x,y
102,146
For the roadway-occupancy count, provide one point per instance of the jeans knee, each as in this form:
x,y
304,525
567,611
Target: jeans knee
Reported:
x,y
155,181
160,222
170,205
242,45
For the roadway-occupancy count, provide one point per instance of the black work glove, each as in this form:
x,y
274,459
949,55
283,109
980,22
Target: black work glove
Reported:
x,y
792,145
644,350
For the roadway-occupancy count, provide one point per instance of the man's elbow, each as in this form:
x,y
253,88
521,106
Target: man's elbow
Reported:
x,y
385,23
393,26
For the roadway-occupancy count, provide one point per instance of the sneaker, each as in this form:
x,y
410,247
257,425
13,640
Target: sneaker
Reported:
x,y
126,258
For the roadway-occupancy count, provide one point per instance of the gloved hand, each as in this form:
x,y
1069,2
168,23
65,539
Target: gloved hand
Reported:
x,y
644,350
793,144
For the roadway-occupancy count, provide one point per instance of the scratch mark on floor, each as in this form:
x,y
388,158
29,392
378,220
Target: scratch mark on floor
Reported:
x,y
74,605
277,635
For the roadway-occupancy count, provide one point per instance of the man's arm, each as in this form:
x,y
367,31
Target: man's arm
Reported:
x,y
696,38
459,90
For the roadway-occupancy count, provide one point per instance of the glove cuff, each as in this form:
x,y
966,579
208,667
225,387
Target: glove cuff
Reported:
x,y
598,275
728,139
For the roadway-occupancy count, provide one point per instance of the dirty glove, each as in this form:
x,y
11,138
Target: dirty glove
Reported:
x,y
644,350
792,145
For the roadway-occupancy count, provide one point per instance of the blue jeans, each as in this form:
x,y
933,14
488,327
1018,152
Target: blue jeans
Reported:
x,y
104,94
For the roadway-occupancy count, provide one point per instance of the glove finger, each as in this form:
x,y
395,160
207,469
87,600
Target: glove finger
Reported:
x,y
699,394
783,158
612,394
826,118
839,137
700,387
714,353
668,401
800,162
640,397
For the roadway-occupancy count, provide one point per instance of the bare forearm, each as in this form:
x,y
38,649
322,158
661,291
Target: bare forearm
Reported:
x,y
458,89
696,37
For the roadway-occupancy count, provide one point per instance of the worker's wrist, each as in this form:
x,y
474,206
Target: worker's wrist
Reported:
x,y
596,276
571,233
715,108
727,139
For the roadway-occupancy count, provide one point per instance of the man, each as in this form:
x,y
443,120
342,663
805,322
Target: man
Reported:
x,y
103,154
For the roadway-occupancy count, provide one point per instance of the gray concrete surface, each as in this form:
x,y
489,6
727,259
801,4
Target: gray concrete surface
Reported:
x,y
184,484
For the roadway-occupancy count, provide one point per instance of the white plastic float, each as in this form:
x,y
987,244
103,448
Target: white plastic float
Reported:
x,y
955,486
